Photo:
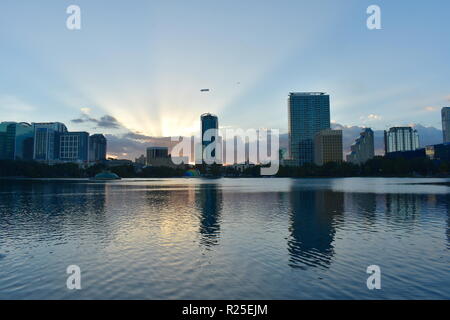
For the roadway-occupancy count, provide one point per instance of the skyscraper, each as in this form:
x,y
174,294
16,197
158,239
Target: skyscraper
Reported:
x,y
401,139
73,146
328,146
309,113
158,157
7,140
363,148
97,148
445,113
208,121
46,140
16,141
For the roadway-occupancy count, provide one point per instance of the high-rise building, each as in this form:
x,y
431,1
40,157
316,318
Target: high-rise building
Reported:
x,y
7,140
328,146
73,147
209,121
401,139
363,149
46,140
445,113
309,113
158,157
16,141
97,148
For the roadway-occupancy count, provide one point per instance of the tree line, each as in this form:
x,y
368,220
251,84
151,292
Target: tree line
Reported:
x,y
376,167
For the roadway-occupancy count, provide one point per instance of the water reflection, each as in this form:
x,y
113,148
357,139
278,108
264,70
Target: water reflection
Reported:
x,y
209,203
403,208
44,210
365,206
313,219
443,201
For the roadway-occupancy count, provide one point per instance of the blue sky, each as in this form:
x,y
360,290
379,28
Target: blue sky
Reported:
x,y
144,62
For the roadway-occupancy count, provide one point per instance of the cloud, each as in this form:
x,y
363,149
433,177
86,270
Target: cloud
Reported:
x,y
431,109
370,118
12,103
137,136
107,121
374,117
85,110
133,144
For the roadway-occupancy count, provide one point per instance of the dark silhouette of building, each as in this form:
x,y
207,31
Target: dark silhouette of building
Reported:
x,y
16,141
445,113
208,121
97,148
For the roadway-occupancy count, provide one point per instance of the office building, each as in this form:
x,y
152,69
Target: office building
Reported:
x,y
142,160
363,149
308,113
73,147
328,146
158,157
16,141
419,153
439,152
398,139
97,148
46,140
445,113
7,140
209,121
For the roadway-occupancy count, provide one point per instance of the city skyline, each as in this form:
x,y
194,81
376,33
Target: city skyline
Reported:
x,y
234,158
144,75
349,136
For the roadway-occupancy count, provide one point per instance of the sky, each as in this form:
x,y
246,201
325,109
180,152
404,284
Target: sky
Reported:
x,y
137,67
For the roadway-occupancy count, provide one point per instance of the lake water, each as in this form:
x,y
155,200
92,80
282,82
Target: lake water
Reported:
x,y
225,238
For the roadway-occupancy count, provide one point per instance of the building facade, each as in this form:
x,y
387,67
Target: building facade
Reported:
x,y
73,147
445,114
209,121
16,141
440,152
97,148
398,139
158,157
328,147
308,113
363,149
46,140
7,140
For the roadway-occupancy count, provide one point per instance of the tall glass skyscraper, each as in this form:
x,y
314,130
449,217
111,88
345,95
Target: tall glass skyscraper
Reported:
x,y
97,148
208,121
46,140
309,113
445,112
16,141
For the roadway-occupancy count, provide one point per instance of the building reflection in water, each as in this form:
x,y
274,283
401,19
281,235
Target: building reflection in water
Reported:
x,y
444,202
42,208
403,209
364,205
313,220
209,203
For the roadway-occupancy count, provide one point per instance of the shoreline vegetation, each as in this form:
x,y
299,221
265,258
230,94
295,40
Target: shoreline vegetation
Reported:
x,y
376,167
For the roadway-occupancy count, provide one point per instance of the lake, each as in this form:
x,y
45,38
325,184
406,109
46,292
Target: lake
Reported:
x,y
267,238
